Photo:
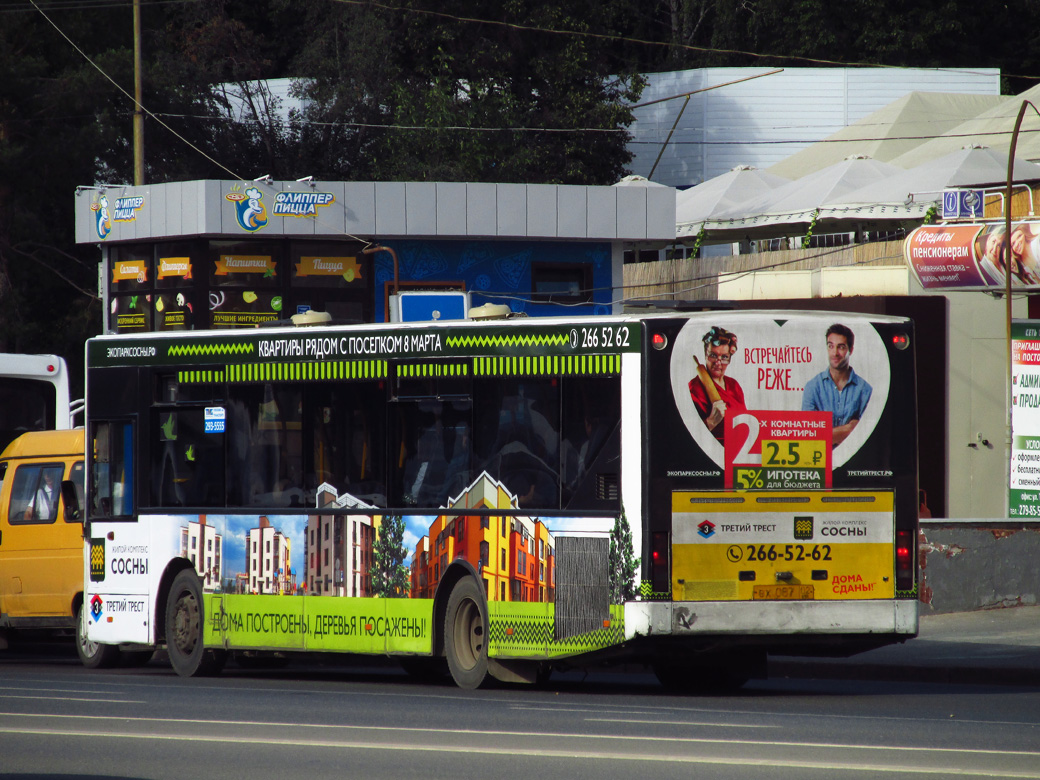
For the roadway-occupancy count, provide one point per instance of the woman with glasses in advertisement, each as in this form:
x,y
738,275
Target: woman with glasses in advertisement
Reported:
x,y
713,393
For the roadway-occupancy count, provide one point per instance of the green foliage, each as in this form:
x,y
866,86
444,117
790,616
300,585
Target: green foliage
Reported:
x,y
390,577
807,238
622,561
49,104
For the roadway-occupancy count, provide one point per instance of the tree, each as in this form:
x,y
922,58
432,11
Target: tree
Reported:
x,y
390,577
51,108
621,561
523,95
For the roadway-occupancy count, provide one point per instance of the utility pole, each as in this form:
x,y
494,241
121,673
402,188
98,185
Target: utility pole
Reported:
x,y
138,112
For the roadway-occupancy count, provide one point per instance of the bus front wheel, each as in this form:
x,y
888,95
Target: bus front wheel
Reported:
x,y
465,635
92,655
185,618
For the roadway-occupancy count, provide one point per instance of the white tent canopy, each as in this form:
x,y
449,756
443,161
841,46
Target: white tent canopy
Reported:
x,y
889,132
799,201
991,128
723,193
922,186
860,192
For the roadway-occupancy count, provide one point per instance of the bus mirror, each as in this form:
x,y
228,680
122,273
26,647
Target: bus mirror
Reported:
x,y
70,498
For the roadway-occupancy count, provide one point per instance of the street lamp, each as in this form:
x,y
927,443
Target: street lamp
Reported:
x,y
1007,296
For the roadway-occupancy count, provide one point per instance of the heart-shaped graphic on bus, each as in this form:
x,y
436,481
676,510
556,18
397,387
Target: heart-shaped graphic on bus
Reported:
x,y
779,364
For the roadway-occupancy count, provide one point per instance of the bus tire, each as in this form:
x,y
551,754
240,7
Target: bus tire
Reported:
x,y
185,619
92,655
466,634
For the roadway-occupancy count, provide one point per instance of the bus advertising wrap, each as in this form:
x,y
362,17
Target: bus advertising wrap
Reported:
x,y
524,491
781,431
801,399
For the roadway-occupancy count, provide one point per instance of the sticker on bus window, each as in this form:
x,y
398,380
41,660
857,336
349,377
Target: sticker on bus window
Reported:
x,y
214,419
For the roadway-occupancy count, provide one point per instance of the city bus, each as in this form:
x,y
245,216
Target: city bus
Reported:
x,y
502,498
34,395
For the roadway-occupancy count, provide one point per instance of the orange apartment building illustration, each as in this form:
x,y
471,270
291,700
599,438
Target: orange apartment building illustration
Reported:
x,y
515,556
268,560
339,547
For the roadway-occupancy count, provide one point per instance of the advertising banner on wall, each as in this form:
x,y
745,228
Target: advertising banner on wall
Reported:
x,y
971,256
1024,490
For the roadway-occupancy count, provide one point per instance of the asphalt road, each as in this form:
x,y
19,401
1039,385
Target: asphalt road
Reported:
x,y
370,721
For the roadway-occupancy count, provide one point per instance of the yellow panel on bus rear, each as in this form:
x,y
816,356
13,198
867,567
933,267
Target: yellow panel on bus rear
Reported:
x,y
792,545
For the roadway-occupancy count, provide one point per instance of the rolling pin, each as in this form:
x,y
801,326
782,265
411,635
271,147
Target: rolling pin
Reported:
x,y
709,384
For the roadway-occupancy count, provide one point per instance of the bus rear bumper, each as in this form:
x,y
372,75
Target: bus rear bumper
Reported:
x,y
777,618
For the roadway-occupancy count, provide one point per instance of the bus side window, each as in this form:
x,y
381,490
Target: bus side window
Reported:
x,y
348,440
518,438
113,469
591,446
187,462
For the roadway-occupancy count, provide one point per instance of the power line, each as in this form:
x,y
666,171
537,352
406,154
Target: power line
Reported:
x,y
132,99
862,139
457,128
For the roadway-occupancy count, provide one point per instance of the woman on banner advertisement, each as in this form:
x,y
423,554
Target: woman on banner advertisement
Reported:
x,y
712,391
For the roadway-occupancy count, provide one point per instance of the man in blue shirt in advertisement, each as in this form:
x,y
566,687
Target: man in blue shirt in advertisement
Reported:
x,y
838,389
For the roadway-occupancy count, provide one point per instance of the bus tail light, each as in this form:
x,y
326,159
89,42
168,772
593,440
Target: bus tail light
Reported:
x,y
904,560
659,576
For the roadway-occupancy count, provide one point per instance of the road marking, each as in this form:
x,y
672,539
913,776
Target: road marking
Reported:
x,y
525,734
684,723
92,699
584,753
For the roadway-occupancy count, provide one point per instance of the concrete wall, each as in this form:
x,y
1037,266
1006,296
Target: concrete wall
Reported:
x,y
977,565
976,402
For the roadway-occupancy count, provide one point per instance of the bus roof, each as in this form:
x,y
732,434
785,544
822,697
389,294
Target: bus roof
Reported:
x,y
283,327
40,444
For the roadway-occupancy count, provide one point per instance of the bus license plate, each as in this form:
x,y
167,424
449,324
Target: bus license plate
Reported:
x,y
782,592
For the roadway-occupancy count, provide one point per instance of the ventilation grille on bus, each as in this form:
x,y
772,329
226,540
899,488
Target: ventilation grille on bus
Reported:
x,y
607,487
582,585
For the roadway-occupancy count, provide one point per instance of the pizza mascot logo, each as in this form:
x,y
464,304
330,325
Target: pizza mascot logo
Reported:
x,y
249,209
102,217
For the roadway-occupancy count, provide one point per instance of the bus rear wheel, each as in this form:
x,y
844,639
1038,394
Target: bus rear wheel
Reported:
x,y
466,635
185,618
92,655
